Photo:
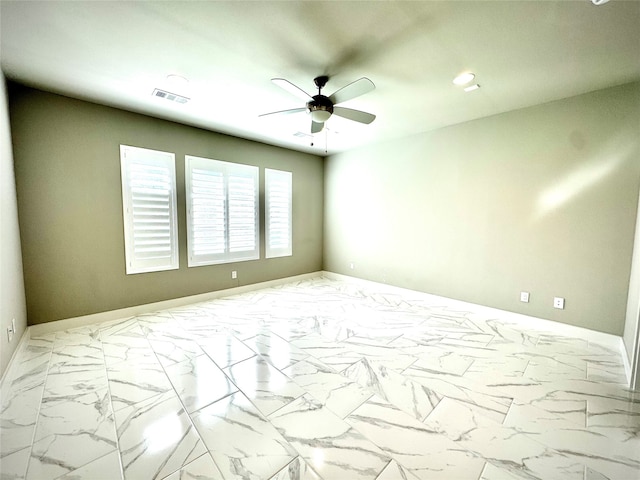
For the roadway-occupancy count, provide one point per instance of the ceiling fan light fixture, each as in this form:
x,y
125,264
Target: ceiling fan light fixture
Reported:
x,y
464,78
320,108
320,116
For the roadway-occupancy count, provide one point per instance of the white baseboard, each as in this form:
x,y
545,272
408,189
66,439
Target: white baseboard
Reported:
x,y
7,375
625,359
75,322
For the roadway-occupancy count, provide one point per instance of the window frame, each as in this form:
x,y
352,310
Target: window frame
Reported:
x,y
228,170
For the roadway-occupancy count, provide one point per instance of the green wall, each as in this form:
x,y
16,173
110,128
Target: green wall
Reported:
x,y
541,199
67,167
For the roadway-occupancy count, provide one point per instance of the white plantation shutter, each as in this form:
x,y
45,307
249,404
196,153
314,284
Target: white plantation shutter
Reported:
x,y
222,211
243,211
149,209
208,213
278,188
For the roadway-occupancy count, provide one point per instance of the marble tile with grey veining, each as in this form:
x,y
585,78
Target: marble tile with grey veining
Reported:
x,y
275,350
107,467
422,451
171,349
131,382
337,355
83,413
156,321
507,448
330,446
225,349
66,379
606,371
18,416
493,403
443,362
55,456
199,382
395,471
202,468
538,417
597,449
156,437
412,397
298,469
67,358
13,466
390,357
118,327
267,387
83,418
242,442
130,344
337,393
491,472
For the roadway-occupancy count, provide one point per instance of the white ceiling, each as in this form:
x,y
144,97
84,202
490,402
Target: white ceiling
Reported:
x,y
523,53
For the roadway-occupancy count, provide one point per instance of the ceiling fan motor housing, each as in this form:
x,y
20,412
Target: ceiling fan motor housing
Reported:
x,y
320,108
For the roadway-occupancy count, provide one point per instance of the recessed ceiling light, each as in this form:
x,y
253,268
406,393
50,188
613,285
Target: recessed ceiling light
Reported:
x,y
464,78
177,80
471,88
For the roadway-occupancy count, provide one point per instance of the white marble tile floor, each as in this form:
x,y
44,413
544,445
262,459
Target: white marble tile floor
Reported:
x,y
319,380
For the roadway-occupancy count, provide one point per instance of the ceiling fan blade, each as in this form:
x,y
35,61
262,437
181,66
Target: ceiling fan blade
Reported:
x,y
286,112
355,115
292,89
353,90
316,127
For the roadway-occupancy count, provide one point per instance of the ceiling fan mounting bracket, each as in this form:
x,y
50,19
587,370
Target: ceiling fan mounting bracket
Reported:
x,y
321,81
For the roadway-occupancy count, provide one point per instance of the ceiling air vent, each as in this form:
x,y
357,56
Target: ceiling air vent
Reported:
x,y
174,97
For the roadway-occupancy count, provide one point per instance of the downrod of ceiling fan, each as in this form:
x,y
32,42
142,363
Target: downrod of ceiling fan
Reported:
x,y
320,82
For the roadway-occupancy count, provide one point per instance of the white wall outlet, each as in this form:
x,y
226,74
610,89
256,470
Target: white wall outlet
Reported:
x,y
352,265
524,297
234,274
558,302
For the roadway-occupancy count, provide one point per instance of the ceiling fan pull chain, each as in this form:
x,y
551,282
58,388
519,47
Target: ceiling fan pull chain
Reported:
x,y
326,141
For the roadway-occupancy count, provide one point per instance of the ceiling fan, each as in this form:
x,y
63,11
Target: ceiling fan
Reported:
x,y
321,107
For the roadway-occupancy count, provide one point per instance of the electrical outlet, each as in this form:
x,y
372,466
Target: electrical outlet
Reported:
x,y
234,274
558,302
352,265
524,297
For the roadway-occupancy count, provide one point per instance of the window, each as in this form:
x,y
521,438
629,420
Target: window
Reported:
x,y
222,211
278,213
149,208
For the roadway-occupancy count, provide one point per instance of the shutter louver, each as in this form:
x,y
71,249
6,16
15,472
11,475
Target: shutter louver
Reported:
x,y
208,212
149,203
242,213
278,213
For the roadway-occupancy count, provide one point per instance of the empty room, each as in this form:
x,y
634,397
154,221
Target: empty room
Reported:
x,y
320,240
